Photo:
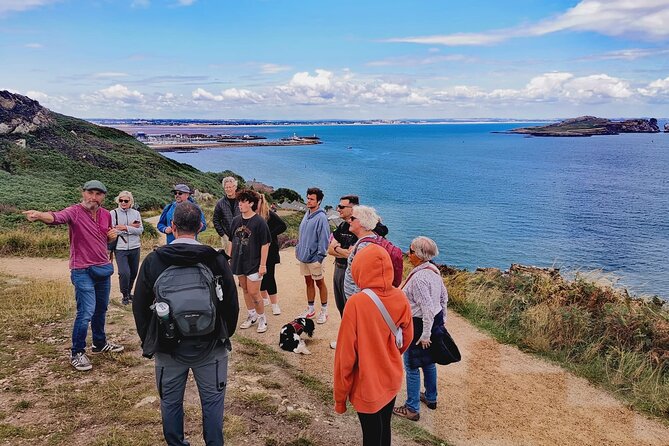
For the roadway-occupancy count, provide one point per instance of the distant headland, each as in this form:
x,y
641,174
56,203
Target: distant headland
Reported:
x,y
591,126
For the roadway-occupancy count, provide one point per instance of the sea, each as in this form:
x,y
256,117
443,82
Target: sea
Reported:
x,y
596,206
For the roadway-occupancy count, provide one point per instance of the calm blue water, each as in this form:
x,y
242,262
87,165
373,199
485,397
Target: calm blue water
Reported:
x,y
487,199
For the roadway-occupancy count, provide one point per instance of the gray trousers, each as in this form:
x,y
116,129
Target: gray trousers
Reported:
x,y
128,266
211,379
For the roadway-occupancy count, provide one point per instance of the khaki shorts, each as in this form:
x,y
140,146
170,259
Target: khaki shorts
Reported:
x,y
315,270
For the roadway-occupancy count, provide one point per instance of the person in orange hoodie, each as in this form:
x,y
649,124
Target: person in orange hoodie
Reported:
x,y
368,365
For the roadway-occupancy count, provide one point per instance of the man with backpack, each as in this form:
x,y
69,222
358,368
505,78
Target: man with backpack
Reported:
x,y
195,281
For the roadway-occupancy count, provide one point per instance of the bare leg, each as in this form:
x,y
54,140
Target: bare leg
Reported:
x,y
311,289
248,300
254,296
322,290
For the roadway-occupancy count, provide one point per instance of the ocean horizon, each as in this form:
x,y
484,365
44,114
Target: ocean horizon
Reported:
x,y
487,199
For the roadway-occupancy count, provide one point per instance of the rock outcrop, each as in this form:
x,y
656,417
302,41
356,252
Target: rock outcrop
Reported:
x,y
666,127
21,115
591,125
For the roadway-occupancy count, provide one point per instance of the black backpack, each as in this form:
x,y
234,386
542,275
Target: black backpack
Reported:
x,y
192,293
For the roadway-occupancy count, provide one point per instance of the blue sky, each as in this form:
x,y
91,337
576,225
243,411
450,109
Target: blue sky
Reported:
x,y
365,59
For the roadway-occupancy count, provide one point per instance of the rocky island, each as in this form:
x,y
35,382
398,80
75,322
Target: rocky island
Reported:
x,y
590,126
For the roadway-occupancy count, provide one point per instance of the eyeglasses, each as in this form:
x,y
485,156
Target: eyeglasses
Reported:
x,y
339,206
120,200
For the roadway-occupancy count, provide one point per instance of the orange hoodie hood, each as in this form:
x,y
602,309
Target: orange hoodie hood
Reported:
x,y
372,268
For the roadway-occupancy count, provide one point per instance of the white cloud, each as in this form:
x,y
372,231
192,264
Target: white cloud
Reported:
x,y
597,86
121,92
233,95
109,74
645,19
37,95
185,2
7,6
659,87
34,45
414,61
140,4
629,54
271,68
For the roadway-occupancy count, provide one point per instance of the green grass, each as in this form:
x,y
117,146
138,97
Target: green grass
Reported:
x,y
616,341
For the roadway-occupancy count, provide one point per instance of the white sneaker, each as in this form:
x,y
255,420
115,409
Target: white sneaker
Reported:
x,y
333,345
266,302
322,317
262,324
276,310
309,313
250,320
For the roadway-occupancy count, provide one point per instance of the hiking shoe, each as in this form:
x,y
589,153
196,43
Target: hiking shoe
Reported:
x,y
107,348
276,310
309,314
430,404
80,362
250,320
266,302
405,412
322,317
262,324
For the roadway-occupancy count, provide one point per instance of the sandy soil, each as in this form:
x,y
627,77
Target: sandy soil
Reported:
x,y
496,395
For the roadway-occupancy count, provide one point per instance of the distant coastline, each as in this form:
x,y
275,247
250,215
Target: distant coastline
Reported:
x,y
193,147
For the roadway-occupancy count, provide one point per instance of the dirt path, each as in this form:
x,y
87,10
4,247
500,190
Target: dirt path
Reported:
x,y
497,395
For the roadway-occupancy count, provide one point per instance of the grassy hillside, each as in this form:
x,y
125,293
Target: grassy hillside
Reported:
x,y
48,172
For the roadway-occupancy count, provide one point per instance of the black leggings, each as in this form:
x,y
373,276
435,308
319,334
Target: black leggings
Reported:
x,y
268,282
376,426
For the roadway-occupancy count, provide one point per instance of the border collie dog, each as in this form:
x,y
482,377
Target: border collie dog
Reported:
x,y
289,336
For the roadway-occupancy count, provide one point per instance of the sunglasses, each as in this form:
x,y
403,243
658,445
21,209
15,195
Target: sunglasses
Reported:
x,y
411,251
120,200
179,193
352,218
339,206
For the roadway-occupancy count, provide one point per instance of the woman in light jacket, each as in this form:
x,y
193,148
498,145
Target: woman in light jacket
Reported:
x,y
428,297
128,222
368,363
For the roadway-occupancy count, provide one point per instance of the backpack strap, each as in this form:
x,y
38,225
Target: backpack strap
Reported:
x,y
396,331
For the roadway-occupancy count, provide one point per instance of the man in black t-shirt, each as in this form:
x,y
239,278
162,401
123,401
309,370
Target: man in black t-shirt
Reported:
x,y
341,244
339,248
250,246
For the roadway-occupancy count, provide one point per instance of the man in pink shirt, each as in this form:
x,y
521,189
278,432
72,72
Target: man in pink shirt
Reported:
x,y
90,269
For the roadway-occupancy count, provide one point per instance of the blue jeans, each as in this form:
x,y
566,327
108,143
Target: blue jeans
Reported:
x,y
92,298
211,378
413,384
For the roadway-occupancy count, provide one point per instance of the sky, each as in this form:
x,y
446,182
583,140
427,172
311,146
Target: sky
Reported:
x,y
364,59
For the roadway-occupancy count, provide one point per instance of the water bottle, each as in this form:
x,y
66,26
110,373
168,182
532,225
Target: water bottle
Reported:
x,y
163,313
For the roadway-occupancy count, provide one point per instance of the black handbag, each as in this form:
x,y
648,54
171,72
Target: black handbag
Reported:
x,y
443,349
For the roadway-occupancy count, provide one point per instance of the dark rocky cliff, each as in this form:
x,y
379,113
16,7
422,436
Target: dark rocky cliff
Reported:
x,y
590,126
20,114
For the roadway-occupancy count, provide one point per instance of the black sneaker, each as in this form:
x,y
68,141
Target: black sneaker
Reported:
x,y
126,299
107,348
430,404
